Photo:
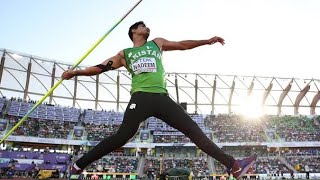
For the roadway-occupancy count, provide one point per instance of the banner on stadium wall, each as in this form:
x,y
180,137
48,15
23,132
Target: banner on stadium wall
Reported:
x,y
3,126
78,131
144,135
152,145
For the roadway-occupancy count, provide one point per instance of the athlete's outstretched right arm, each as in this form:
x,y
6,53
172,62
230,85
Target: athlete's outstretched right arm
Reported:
x,y
112,63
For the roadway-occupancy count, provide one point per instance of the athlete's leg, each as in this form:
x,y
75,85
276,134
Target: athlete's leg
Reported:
x,y
135,113
175,116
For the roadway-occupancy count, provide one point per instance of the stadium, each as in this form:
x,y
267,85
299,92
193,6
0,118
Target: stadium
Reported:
x,y
77,116
61,119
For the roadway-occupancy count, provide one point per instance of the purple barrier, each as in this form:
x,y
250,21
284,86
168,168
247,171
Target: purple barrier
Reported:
x,y
55,158
63,158
4,154
17,155
32,155
2,165
41,156
19,167
60,167
47,157
23,155
24,167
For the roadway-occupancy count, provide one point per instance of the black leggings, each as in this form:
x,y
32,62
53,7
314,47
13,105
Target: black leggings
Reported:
x,y
144,105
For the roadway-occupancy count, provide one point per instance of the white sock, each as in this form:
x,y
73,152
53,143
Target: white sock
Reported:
x,y
76,167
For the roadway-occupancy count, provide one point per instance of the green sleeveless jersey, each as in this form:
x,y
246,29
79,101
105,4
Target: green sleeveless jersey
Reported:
x,y
145,65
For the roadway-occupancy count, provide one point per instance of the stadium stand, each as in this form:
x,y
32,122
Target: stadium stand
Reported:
x,y
55,122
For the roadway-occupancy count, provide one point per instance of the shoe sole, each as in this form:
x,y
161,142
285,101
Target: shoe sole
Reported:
x,y
245,170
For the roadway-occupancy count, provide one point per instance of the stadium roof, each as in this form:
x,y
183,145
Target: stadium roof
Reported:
x,y
30,77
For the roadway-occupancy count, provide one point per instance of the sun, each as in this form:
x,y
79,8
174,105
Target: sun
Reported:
x,y
251,107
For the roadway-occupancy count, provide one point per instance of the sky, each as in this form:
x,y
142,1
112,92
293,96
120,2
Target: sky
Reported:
x,y
263,37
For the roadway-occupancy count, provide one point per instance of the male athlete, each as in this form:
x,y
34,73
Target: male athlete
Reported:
x,y
149,97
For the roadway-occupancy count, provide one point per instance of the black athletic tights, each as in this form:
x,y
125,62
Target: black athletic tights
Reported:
x,y
143,105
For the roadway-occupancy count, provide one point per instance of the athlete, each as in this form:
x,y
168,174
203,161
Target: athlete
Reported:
x,y
149,97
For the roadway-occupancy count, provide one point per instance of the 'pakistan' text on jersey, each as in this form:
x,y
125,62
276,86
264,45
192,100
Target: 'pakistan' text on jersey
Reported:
x,y
145,65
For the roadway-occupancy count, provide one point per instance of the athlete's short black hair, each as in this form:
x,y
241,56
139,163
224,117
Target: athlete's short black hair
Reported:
x,y
134,26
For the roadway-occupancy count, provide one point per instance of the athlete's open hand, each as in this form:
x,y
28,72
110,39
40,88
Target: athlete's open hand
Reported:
x,y
216,39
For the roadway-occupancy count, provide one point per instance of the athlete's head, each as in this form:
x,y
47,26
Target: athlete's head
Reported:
x,y
140,29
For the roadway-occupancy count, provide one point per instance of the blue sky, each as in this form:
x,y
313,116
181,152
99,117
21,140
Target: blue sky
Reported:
x,y
263,37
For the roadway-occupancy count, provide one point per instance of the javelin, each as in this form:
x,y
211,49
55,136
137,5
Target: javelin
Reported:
x,y
74,66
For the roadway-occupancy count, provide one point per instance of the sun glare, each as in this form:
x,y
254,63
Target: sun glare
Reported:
x,y
251,107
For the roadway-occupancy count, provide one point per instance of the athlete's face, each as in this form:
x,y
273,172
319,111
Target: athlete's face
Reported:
x,y
143,30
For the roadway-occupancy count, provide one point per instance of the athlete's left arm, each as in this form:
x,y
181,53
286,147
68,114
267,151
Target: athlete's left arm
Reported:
x,y
167,45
